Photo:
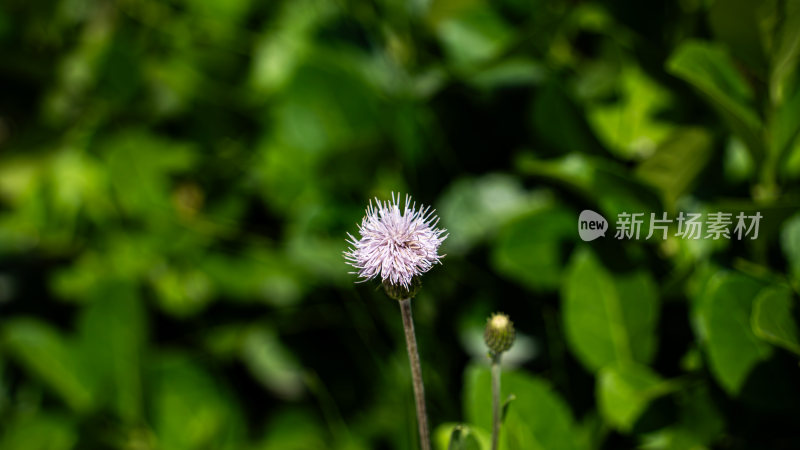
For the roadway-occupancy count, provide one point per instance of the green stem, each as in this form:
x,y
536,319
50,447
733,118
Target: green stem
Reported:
x,y
495,400
416,374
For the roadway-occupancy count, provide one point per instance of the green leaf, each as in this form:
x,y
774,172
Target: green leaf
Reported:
x,y
49,356
473,36
509,72
39,432
735,23
456,436
773,318
738,164
529,249
291,428
600,181
139,165
624,391
699,423
227,12
270,363
190,410
282,48
608,321
474,208
723,325
677,162
785,126
112,330
790,243
265,357
460,441
710,70
592,431
629,127
790,167
272,279
182,291
504,405
784,84
779,212
329,102
538,418
786,51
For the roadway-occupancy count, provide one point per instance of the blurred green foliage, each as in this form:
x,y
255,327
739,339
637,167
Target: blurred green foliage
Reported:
x,y
177,178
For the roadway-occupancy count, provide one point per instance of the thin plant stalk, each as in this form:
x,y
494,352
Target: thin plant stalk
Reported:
x,y
416,374
495,400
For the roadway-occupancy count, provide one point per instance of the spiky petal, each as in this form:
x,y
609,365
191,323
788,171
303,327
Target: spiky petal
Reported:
x,y
395,245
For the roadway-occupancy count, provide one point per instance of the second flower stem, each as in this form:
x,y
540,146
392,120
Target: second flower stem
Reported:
x,y
495,400
416,374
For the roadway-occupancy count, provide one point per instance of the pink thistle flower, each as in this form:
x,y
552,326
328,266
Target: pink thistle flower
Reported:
x,y
395,245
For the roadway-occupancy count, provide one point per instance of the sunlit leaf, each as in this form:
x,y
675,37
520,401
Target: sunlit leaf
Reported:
x,y
723,321
474,208
51,357
182,292
454,436
624,391
511,72
738,163
473,36
270,363
608,320
629,127
537,418
280,51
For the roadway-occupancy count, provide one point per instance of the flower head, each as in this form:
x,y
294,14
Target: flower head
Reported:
x,y
499,333
395,245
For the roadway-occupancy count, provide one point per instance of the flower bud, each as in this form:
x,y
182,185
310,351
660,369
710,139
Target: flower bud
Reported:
x,y
499,334
400,292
